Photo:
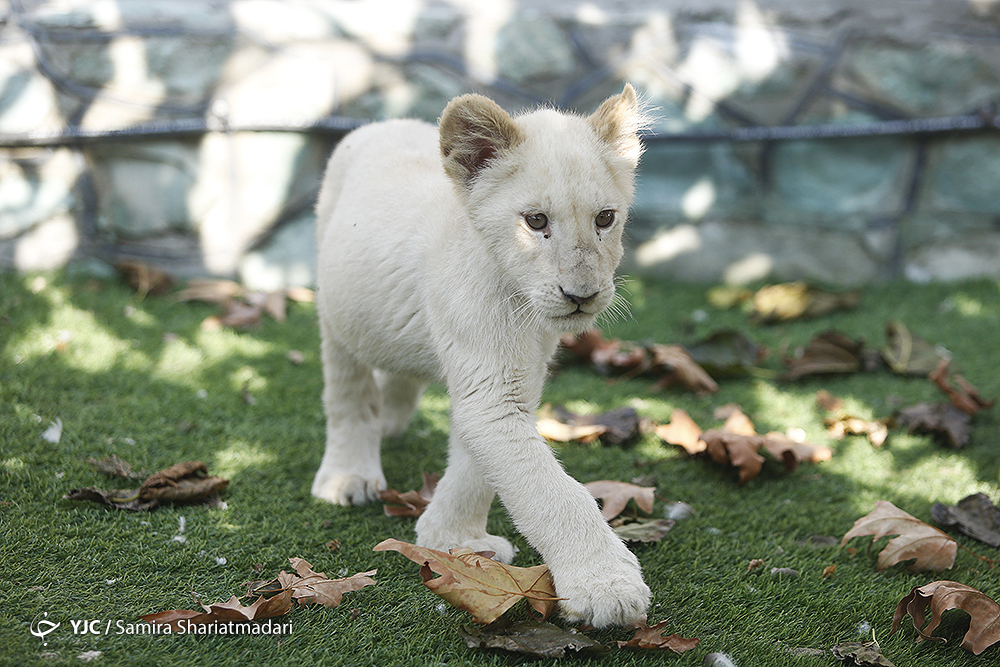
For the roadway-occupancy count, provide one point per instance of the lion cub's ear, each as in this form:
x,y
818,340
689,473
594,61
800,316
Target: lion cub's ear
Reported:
x,y
474,130
618,121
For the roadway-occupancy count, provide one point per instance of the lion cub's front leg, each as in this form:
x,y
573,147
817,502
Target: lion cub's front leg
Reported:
x,y
495,438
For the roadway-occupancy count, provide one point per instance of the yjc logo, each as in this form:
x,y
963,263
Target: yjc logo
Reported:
x,y
41,628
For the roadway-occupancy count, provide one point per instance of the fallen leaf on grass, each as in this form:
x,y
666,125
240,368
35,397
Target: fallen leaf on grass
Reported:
x,y
476,584
929,548
651,637
984,627
863,654
908,354
942,420
682,431
965,397
737,443
839,423
535,638
790,301
827,353
616,495
975,516
409,503
309,587
727,353
738,450
678,366
607,356
241,308
642,530
671,363
616,427
143,278
184,482
180,620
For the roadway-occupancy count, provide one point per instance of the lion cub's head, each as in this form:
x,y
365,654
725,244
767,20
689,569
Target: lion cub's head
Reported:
x,y
549,193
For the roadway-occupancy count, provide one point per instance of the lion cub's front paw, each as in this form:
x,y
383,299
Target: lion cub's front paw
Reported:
x,y
342,488
603,594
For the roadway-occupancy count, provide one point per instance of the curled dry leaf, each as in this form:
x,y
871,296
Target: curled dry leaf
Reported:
x,y
727,353
839,423
476,584
790,301
975,516
616,427
651,637
143,278
738,450
678,366
682,431
410,503
940,596
616,495
965,397
181,483
827,353
941,420
908,354
928,547
231,611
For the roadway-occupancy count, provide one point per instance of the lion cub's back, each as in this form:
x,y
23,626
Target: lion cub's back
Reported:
x,y
384,184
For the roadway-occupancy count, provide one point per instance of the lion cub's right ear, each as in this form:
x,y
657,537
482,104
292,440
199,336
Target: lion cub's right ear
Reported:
x,y
474,130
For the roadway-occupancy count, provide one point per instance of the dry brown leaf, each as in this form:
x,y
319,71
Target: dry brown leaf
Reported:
x,y
476,584
316,588
682,431
181,619
409,503
678,366
984,627
907,354
556,431
740,451
615,496
209,290
792,452
966,397
143,278
975,515
826,353
651,637
942,420
181,483
928,547
607,356
617,427
735,421
790,301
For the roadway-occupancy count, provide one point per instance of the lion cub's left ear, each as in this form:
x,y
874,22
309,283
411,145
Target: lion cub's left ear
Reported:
x,y
474,130
618,121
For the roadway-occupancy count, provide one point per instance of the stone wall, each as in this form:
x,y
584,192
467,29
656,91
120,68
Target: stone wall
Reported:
x,y
191,134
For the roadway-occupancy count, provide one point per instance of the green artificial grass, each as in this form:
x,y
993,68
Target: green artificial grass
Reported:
x,y
139,378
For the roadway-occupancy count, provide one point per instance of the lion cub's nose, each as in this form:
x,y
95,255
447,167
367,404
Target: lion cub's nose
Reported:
x,y
576,299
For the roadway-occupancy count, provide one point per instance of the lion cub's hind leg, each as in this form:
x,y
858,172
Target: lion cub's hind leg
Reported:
x,y
351,470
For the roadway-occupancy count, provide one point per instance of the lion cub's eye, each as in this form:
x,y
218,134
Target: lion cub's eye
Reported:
x,y
605,219
537,221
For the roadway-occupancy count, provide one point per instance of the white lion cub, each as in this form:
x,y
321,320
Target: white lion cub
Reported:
x,y
462,252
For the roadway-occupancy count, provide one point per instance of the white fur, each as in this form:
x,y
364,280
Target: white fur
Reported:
x,y
428,270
